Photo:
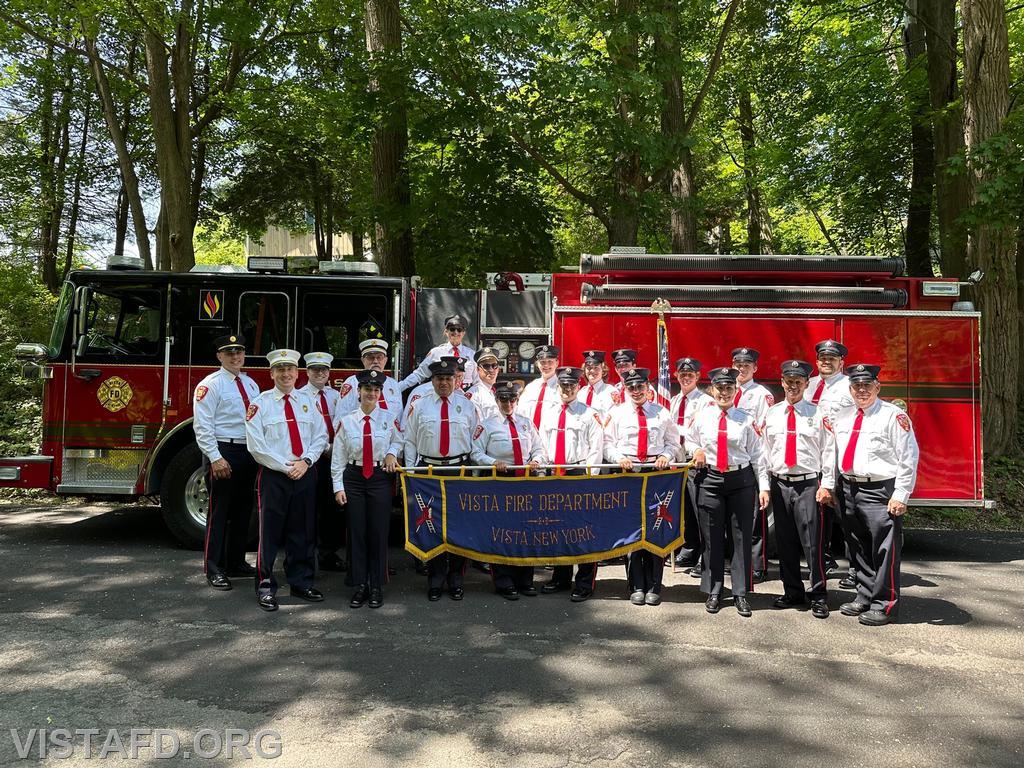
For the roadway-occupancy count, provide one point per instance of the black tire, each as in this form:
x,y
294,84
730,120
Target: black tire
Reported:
x,y
183,497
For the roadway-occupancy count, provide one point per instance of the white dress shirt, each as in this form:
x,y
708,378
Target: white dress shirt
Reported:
x,y
482,396
333,397
600,395
834,397
423,430
267,434
219,410
421,391
622,433
584,434
348,446
528,397
498,439
813,442
422,372
755,399
744,442
886,447
350,397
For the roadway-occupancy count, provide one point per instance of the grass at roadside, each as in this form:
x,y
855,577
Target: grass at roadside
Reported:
x,y
1004,483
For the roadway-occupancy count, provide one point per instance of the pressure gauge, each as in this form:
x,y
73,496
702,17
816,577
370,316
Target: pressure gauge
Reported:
x,y
527,350
501,349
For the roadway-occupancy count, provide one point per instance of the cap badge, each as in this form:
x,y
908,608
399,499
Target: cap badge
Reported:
x,y
743,351
860,368
232,338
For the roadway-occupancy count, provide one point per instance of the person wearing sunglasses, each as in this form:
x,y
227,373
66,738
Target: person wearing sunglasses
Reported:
x,y
454,333
481,393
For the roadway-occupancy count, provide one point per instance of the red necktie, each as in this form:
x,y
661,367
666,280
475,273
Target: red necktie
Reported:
x,y
682,412
455,351
327,416
560,441
242,392
590,396
517,449
540,404
367,448
851,447
818,390
641,438
445,436
381,402
736,400
293,427
722,460
791,436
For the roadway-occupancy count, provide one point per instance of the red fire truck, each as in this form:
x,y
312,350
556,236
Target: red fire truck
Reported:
x,y
128,348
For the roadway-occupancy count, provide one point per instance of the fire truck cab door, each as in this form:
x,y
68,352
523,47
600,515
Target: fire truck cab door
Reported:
x,y
113,401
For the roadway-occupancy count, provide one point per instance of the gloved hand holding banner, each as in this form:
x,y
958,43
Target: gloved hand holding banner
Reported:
x,y
543,520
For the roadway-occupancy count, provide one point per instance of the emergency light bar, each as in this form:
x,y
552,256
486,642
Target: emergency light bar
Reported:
x,y
700,262
348,268
268,264
746,295
929,288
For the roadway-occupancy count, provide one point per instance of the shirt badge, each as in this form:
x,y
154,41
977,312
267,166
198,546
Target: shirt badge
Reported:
x,y
305,408
251,412
201,393
477,432
345,389
904,421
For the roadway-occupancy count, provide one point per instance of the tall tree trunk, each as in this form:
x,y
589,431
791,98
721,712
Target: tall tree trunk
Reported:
x,y
681,186
46,155
55,194
76,194
121,222
129,179
991,245
951,190
623,51
922,176
391,192
751,183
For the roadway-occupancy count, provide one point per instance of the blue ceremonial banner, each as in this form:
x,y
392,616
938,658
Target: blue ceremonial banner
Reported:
x,y
541,520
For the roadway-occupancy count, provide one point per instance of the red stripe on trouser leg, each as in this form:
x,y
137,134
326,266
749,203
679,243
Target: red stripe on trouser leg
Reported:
x,y
764,536
821,544
892,572
209,516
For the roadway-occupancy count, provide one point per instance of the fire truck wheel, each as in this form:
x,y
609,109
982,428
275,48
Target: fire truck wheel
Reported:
x,y
184,499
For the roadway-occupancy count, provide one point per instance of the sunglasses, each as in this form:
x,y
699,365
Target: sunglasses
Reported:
x,y
489,366
456,328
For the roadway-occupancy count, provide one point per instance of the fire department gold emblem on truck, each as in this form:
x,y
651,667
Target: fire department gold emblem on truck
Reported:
x,y
114,394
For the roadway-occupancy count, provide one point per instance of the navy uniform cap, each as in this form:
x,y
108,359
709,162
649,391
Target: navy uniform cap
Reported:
x,y
723,375
454,321
547,352
831,347
507,390
485,352
593,357
863,372
684,364
745,355
443,367
624,356
636,376
568,374
370,379
797,368
229,341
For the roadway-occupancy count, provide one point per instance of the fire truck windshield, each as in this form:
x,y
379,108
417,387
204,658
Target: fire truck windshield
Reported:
x,y
60,319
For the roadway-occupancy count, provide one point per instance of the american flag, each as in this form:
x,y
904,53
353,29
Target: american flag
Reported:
x,y
663,389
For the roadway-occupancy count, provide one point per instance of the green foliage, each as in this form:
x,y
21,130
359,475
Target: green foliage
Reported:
x,y
216,244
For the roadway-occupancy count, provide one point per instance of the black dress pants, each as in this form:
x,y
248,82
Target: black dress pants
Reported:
x,y
288,518
330,518
726,502
875,541
230,510
799,525
369,518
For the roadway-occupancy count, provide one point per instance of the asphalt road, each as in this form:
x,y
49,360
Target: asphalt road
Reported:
x,y
106,623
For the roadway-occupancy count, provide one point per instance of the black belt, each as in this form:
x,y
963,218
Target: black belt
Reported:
x,y
732,468
231,440
445,461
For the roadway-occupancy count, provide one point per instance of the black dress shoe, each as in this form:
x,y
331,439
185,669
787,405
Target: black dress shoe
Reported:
x,y
711,605
685,561
637,598
434,594
819,609
553,586
759,577
848,582
579,594
359,598
652,598
875,618
854,608
219,581
330,561
243,570
376,598
267,602
482,567
742,606
530,591
787,602
312,594
456,593
509,593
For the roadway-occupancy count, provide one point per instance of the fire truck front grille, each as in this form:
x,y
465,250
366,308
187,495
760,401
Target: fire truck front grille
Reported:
x,y
618,262
745,295
103,470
